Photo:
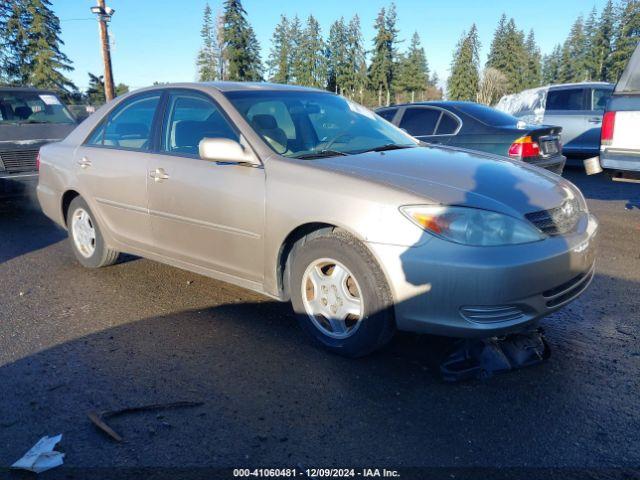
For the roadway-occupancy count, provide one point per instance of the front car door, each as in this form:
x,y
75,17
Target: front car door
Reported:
x,y
203,213
568,107
112,169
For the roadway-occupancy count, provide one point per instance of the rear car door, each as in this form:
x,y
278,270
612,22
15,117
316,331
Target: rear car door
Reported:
x,y
208,214
112,168
597,98
569,107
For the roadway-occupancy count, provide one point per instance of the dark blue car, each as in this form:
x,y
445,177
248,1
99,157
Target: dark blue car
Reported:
x,y
478,127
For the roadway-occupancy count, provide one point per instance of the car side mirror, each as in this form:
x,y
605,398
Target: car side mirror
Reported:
x,y
226,150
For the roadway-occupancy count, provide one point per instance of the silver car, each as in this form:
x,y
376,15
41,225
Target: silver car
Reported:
x,y
305,196
576,107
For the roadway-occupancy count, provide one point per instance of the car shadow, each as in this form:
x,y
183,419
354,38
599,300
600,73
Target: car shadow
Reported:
x,y
601,187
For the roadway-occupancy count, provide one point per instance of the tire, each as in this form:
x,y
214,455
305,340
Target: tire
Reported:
x,y
99,255
313,262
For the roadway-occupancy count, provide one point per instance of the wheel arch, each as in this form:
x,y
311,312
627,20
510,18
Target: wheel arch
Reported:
x,y
304,231
67,198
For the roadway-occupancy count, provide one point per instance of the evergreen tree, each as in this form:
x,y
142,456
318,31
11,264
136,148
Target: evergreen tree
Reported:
x,y
509,55
465,78
551,66
533,75
279,62
590,32
413,70
296,60
94,94
241,48
627,38
356,80
312,68
601,43
207,62
5,10
382,64
16,41
574,54
338,57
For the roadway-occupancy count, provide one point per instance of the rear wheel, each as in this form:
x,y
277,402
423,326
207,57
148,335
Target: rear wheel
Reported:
x,y
340,294
85,237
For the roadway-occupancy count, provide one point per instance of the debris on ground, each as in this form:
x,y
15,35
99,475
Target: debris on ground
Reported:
x,y
482,358
98,418
41,456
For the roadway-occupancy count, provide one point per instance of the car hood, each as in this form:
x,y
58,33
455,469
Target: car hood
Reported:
x,y
32,134
453,176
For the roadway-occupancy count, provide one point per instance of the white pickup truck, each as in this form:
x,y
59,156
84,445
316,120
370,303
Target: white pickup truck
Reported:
x,y
620,134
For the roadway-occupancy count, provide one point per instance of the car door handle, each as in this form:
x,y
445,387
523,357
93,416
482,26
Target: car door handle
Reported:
x,y
158,174
595,120
84,162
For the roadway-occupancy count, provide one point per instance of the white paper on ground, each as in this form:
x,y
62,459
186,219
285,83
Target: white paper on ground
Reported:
x,y
41,456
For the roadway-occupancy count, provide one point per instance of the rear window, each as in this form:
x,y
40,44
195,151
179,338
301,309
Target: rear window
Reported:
x,y
566,99
420,121
487,115
388,114
32,107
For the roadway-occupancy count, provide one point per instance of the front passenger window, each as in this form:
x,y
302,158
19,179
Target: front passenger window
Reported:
x,y
192,118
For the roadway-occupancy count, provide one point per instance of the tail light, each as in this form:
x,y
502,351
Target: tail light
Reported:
x,y
608,126
524,147
38,161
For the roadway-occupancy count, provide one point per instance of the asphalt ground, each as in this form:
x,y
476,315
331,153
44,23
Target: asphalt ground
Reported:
x,y
74,340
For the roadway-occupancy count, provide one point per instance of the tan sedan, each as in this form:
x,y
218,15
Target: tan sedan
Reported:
x,y
303,195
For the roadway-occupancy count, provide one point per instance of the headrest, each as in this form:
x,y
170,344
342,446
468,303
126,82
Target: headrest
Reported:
x,y
23,112
188,133
265,122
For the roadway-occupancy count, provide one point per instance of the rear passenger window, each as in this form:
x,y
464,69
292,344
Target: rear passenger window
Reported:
x,y
448,125
566,99
129,126
420,121
388,114
600,97
192,118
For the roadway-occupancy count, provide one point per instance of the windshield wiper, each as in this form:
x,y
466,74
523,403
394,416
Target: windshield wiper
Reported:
x,y
320,154
387,146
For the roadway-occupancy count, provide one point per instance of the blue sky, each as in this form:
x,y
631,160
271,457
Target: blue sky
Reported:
x,y
157,40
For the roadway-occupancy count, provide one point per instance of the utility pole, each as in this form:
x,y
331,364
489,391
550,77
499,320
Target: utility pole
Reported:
x,y
104,14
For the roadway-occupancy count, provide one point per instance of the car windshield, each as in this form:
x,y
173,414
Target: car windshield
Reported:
x,y
307,124
32,107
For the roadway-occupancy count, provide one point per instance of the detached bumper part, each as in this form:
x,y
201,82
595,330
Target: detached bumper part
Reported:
x,y
481,359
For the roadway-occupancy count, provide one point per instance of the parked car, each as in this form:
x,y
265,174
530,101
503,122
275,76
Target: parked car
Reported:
x,y
478,127
576,107
620,145
29,118
303,195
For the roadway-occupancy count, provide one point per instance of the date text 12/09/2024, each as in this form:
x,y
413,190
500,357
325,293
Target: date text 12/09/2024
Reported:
x,y
315,472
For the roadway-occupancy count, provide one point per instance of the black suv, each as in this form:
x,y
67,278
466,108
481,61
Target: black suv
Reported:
x,y
29,118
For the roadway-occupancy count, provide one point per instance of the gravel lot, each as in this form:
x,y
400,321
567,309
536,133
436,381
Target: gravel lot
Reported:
x,y
74,340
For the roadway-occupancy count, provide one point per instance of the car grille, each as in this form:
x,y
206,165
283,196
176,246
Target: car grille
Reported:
x,y
19,160
491,314
559,220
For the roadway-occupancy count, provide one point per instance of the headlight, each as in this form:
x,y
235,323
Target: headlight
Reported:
x,y
471,226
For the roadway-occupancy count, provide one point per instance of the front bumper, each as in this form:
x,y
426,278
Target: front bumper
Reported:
x,y
447,289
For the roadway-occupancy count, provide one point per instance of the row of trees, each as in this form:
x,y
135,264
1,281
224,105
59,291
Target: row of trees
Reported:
x,y
300,54
596,49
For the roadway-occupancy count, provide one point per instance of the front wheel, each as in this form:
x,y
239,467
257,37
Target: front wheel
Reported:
x,y
85,237
340,294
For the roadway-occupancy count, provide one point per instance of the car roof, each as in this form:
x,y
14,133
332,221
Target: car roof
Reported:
x,y
432,103
235,86
26,89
